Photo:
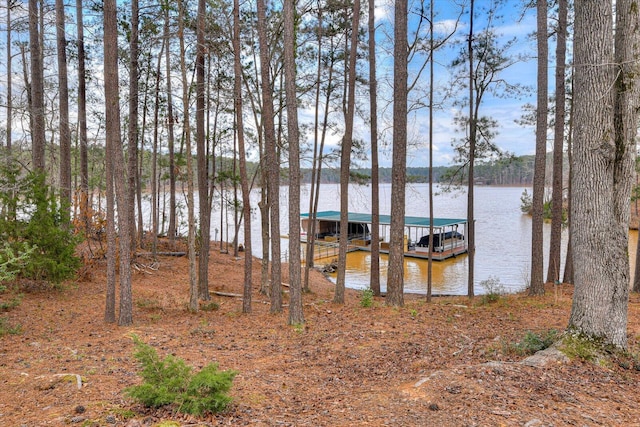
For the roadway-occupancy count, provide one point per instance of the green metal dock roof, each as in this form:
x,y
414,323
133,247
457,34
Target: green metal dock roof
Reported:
x,y
409,221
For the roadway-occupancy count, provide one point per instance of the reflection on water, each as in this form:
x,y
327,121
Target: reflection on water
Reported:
x,y
447,276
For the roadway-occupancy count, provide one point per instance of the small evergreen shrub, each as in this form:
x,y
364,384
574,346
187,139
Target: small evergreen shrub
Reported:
x,y
170,381
532,342
366,298
32,218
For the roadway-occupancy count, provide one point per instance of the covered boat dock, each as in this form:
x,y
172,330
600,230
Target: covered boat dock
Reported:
x,y
448,233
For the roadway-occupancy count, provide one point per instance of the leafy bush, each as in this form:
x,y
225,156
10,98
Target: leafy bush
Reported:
x,y
366,298
170,381
32,218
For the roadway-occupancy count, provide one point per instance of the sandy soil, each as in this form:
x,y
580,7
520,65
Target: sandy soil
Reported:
x,y
450,362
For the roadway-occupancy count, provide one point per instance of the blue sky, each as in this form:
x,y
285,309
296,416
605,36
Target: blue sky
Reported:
x,y
512,137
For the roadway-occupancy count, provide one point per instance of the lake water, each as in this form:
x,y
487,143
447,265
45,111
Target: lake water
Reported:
x,y
503,236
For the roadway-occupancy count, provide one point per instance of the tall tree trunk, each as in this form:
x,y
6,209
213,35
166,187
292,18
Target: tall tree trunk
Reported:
x,y
203,170
112,128
311,225
155,220
191,238
296,315
37,89
172,230
471,222
537,220
557,208
395,275
244,179
65,133
132,160
374,281
431,63
273,167
110,302
82,121
9,82
345,156
606,123
568,263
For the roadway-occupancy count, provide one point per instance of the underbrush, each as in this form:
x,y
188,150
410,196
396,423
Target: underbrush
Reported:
x,y
170,381
533,342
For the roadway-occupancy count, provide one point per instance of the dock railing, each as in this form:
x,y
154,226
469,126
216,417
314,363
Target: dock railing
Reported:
x,y
323,249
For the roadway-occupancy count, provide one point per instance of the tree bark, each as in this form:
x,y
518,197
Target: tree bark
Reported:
x,y
537,240
606,103
9,82
112,129
37,89
82,121
191,237
273,167
296,315
374,282
201,150
345,156
244,179
172,229
473,121
557,205
395,275
132,160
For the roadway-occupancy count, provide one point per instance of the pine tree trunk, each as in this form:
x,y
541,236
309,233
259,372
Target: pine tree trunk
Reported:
x,y
273,167
537,220
296,315
557,205
37,89
82,121
203,171
132,160
395,275
244,179
112,129
345,156
374,282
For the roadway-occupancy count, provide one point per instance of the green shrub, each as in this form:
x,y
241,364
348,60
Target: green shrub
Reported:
x,y
533,342
170,381
366,298
6,329
32,218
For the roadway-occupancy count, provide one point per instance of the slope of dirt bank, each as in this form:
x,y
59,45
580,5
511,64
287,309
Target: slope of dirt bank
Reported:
x,y
447,363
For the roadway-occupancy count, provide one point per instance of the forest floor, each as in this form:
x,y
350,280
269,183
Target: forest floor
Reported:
x,y
450,362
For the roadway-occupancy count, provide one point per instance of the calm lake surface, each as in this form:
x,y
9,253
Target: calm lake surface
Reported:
x,y
503,236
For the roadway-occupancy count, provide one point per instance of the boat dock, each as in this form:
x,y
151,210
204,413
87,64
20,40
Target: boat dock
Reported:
x,y
448,235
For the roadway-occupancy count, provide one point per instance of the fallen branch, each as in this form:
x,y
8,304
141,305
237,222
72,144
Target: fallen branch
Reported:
x,y
163,254
226,294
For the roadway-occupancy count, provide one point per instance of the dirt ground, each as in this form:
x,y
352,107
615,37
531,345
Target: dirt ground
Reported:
x,y
450,362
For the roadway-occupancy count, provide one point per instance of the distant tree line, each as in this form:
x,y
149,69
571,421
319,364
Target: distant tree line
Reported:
x,y
508,171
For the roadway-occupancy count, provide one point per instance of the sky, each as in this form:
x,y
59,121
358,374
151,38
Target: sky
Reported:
x,y
512,137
